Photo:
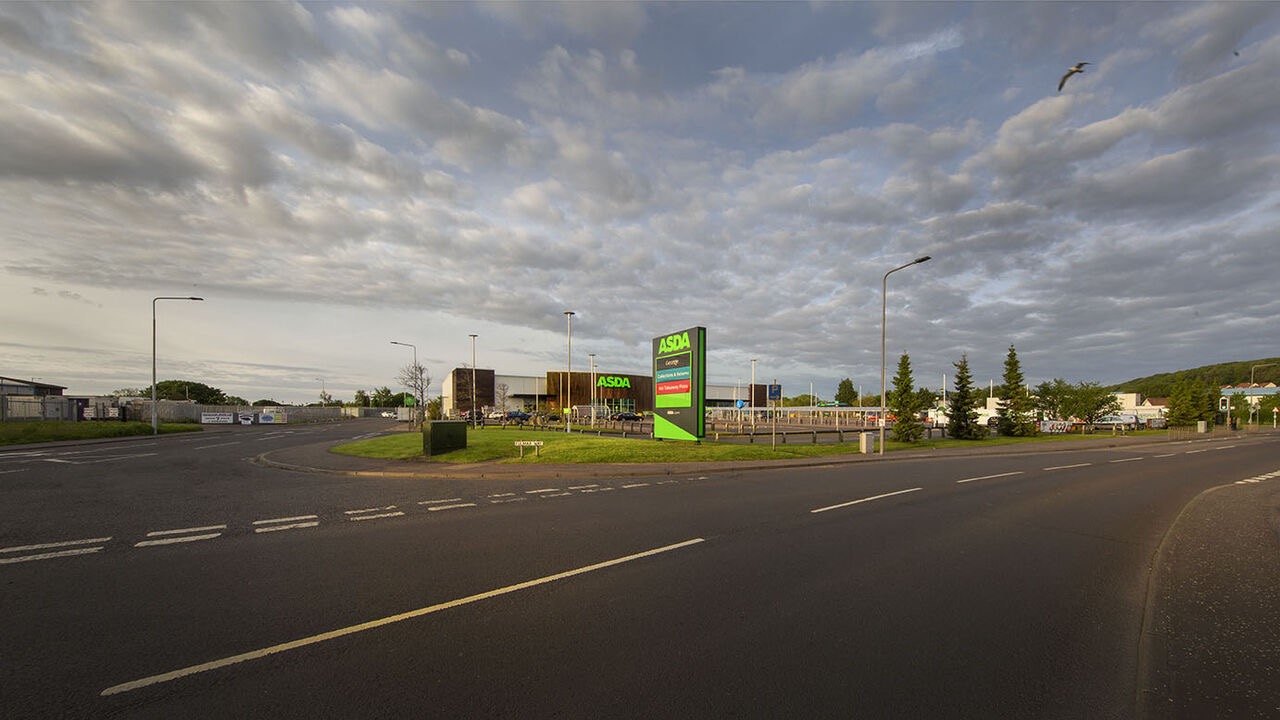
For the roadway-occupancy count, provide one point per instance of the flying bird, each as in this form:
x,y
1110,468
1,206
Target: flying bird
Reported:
x,y
1079,68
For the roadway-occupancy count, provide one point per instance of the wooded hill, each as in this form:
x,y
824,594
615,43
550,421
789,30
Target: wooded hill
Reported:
x,y
1232,373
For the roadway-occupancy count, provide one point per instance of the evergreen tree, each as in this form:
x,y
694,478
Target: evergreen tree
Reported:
x,y
846,393
905,404
962,420
1016,417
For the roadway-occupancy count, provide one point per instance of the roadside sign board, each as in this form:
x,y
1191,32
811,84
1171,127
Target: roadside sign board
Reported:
x,y
775,393
679,384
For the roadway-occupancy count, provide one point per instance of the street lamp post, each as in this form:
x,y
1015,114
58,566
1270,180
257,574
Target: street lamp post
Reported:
x,y
884,304
417,380
155,423
593,388
568,376
323,400
474,423
752,392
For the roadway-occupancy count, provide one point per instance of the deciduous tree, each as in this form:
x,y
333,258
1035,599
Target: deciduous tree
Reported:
x,y
846,393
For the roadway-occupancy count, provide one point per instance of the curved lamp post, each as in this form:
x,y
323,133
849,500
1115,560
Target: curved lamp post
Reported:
x,y
417,378
884,287
155,424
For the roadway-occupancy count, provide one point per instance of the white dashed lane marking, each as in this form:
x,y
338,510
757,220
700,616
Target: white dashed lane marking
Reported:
x,y
181,535
297,522
7,557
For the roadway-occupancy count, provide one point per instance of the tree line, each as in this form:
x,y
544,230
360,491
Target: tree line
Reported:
x,y
1021,407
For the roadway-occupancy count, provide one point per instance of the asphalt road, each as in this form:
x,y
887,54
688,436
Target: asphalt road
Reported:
x,y
171,577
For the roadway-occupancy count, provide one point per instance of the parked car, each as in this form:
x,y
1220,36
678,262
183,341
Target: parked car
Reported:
x,y
629,416
518,415
496,415
388,413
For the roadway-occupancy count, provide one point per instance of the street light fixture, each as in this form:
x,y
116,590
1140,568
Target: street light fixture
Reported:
x,y
1255,367
416,379
155,424
474,423
568,376
884,287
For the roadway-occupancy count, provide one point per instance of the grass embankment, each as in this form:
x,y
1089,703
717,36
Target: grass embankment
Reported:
x,y
23,432
489,445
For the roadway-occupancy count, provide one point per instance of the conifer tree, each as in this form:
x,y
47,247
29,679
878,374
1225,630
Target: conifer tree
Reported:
x,y
1016,417
962,421
904,401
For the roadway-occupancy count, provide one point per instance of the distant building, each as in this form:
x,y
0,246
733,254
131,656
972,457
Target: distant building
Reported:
x,y
28,388
613,392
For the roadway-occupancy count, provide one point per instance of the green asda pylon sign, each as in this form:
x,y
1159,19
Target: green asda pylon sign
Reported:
x,y
680,385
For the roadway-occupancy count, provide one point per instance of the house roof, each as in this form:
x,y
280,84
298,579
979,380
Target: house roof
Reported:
x,y
32,383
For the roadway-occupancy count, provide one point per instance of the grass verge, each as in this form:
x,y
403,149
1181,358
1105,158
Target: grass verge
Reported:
x,y
497,445
23,432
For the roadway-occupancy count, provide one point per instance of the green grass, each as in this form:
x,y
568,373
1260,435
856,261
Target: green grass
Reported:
x,y
490,445
23,432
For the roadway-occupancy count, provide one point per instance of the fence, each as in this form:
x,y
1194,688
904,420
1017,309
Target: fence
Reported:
x,y
44,407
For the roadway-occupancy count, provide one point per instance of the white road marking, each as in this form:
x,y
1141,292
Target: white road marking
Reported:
x,y
50,546
989,477
501,495
501,500
1126,459
867,499
450,507
596,490
554,494
174,540
543,490
206,447
285,520
47,556
398,513
290,526
372,624
368,510
1165,455
634,485
1067,467
7,472
206,528
668,482
1193,452
583,487
439,502
1224,447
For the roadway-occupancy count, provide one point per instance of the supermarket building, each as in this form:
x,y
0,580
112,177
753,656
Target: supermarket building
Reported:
x,y
612,392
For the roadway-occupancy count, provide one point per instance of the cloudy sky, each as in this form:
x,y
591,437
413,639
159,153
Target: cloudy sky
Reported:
x,y
333,177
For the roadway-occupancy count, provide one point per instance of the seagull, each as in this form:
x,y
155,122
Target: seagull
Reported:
x,y
1079,68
